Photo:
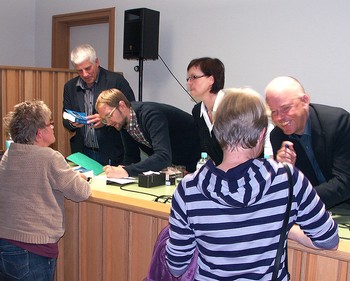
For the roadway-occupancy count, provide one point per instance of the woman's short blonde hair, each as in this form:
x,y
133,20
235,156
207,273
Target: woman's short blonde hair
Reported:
x,y
240,119
25,120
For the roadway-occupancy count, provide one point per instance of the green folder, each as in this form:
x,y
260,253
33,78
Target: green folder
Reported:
x,y
86,162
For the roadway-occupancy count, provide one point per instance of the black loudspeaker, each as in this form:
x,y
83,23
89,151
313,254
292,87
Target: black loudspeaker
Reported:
x,y
141,34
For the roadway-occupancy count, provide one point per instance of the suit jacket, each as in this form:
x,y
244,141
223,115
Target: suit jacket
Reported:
x,y
208,143
109,139
170,131
330,132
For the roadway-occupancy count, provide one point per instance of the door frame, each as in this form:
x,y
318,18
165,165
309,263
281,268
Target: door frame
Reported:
x,y
61,33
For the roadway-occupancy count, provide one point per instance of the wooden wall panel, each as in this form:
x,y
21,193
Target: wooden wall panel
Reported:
x,y
67,265
90,241
307,264
29,87
116,234
140,244
295,267
124,247
11,90
19,84
107,243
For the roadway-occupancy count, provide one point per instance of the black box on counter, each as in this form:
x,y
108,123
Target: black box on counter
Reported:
x,y
151,180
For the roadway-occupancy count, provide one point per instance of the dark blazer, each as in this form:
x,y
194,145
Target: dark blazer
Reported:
x,y
109,139
208,143
171,133
330,132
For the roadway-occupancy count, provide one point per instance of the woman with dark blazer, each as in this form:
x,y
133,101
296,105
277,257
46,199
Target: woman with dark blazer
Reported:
x,y
205,79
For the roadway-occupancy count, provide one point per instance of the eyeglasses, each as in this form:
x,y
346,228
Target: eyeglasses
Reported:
x,y
194,77
52,123
104,121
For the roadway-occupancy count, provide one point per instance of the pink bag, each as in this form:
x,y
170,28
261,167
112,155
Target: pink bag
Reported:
x,y
158,270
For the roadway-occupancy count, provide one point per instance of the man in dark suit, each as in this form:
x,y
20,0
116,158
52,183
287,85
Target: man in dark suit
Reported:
x,y
165,133
95,140
313,137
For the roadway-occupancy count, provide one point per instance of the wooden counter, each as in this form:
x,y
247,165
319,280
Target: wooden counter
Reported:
x,y
110,237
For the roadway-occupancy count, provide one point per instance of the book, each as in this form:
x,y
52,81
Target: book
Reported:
x,y
86,162
75,116
84,171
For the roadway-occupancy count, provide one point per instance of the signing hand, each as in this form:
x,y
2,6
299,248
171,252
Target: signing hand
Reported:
x,y
115,172
286,153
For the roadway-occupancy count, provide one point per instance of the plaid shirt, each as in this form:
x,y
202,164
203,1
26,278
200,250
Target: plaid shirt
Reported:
x,y
134,130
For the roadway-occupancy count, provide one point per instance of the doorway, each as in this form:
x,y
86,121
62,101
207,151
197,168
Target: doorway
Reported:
x,y
61,25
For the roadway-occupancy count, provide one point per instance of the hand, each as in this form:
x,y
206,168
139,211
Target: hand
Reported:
x,y
82,176
76,124
95,120
296,234
115,172
286,153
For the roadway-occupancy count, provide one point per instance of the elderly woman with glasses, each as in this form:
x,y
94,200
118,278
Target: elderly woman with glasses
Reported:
x,y
35,179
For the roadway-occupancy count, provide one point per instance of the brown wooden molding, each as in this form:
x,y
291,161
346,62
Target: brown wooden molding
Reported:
x,y
61,31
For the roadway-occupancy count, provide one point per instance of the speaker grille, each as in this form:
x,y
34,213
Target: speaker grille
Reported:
x,y
141,34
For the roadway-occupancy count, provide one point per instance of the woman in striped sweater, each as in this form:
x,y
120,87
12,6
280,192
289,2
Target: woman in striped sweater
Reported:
x,y
233,213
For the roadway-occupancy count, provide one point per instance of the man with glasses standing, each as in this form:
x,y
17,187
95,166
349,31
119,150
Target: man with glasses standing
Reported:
x,y
313,137
165,133
95,140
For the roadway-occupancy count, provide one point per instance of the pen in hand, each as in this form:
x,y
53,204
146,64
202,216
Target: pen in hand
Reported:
x,y
287,153
286,146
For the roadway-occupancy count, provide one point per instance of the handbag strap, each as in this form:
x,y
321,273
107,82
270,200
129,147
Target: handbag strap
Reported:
x,y
280,249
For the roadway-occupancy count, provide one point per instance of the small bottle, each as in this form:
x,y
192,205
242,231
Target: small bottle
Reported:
x,y
8,140
203,160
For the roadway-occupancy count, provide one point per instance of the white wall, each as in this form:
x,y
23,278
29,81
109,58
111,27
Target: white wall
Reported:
x,y
96,35
256,40
17,32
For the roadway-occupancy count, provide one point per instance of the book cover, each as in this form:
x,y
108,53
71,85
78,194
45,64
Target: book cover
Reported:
x,y
75,116
86,162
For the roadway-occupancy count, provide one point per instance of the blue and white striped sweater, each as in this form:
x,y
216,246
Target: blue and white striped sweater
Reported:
x,y
234,218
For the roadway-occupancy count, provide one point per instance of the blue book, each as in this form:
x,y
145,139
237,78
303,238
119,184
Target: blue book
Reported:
x,y
75,116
